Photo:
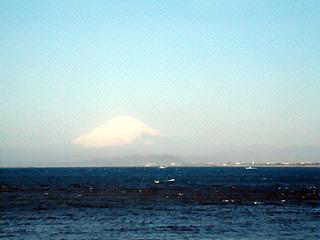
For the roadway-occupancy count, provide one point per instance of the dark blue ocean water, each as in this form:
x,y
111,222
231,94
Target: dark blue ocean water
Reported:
x,y
152,203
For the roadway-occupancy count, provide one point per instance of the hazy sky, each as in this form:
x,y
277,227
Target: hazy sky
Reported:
x,y
81,79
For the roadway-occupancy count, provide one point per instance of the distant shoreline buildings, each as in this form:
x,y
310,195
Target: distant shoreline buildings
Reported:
x,y
266,164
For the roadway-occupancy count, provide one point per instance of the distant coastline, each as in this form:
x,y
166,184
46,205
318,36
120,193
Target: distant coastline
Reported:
x,y
229,164
286,164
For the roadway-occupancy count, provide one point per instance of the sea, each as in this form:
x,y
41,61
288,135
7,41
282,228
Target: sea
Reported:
x,y
222,203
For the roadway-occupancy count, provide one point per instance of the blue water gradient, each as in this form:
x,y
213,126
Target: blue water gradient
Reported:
x,y
201,203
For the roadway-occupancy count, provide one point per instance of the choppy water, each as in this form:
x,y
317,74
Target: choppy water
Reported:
x,y
125,203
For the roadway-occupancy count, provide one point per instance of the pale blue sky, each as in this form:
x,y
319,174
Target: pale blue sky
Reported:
x,y
206,74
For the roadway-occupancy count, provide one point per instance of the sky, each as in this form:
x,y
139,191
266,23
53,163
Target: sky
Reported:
x,y
82,80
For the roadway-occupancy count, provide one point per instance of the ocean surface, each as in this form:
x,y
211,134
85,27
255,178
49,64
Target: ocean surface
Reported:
x,y
152,203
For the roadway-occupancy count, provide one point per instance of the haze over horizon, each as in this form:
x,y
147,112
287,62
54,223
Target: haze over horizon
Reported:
x,y
215,80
